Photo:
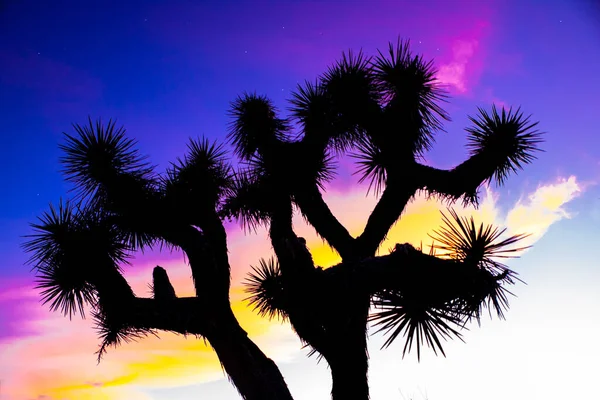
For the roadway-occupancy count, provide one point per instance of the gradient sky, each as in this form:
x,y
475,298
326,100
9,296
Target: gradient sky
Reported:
x,y
168,70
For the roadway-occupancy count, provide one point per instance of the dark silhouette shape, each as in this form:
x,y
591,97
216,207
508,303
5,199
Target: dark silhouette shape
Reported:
x,y
386,111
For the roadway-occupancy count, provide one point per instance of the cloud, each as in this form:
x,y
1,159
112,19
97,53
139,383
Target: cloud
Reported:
x,y
454,73
542,208
461,68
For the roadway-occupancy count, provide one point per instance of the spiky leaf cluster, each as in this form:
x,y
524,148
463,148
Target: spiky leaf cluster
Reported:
x,y
199,181
417,314
353,96
98,155
386,108
255,125
507,139
419,322
114,330
411,97
111,175
371,162
479,247
461,239
66,248
252,199
267,293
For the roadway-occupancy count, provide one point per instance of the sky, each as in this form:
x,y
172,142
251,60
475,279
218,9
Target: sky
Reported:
x,y
168,70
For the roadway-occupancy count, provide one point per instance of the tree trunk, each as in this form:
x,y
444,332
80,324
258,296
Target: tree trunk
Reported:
x,y
347,354
349,366
255,376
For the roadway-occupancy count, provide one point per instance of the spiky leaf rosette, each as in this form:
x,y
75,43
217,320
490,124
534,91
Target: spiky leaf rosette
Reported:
x,y
200,180
251,201
60,276
254,125
411,95
65,248
322,127
98,155
349,85
460,239
110,174
265,286
507,140
311,107
372,164
293,165
418,321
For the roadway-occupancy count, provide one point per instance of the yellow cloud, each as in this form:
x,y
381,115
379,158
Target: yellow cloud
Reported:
x,y
542,208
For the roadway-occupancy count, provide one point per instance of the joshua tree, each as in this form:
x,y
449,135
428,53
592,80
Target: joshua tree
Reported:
x,y
385,111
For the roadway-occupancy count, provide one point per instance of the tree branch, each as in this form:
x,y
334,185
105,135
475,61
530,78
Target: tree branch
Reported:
x,y
315,210
401,183
464,179
410,270
291,251
385,214
182,315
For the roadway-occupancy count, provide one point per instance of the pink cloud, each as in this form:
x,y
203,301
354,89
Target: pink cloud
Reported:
x,y
461,67
454,73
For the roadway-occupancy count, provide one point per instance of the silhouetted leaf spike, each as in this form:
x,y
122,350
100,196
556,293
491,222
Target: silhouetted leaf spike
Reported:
x,y
417,321
460,239
371,164
114,331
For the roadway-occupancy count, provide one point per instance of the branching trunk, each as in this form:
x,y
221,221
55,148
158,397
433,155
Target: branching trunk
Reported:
x,y
254,374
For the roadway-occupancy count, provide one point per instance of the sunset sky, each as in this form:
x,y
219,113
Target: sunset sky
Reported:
x,y
167,71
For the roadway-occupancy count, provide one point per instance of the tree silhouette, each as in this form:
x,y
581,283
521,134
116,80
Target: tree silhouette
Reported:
x,y
385,112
